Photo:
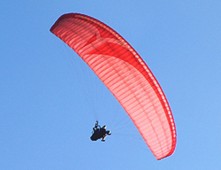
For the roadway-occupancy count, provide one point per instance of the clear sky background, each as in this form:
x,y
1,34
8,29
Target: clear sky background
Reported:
x,y
50,99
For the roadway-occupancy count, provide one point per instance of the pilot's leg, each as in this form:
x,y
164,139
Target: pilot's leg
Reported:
x,y
103,138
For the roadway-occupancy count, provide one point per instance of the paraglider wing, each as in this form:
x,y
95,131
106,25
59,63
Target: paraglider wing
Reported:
x,y
125,74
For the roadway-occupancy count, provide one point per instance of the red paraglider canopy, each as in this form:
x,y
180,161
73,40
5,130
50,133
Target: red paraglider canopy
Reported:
x,y
125,74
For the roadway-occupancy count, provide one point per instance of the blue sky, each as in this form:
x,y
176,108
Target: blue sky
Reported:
x,y
50,99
